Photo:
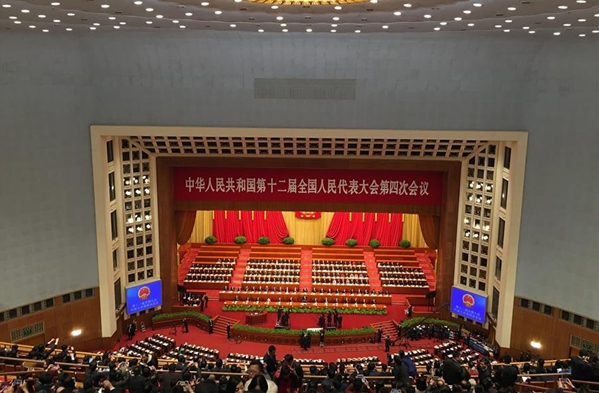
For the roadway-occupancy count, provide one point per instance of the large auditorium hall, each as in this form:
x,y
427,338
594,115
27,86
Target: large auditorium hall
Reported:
x,y
345,180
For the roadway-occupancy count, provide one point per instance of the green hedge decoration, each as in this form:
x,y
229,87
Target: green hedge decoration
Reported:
x,y
177,315
404,243
374,243
340,332
327,241
210,240
263,240
351,242
418,320
288,240
308,310
241,240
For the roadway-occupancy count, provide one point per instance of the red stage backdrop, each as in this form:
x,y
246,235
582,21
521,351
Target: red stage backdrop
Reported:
x,y
308,185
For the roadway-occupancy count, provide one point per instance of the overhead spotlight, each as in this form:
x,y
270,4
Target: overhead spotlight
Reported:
x,y
76,332
535,344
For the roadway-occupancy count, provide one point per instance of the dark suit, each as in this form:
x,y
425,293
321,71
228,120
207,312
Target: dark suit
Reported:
x,y
452,372
270,363
506,376
136,384
169,380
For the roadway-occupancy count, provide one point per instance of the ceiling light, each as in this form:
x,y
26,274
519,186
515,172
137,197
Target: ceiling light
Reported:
x,y
562,7
557,33
70,14
149,9
334,25
149,22
531,32
511,8
6,5
374,1
427,16
283,24
385,27
397,13
45,30
582,35
535,344
525,27
567,24
26,11
92,28
443,23
56,21
17,22
274,7
582,20
407,5
284,30
596,15
357,31
238,1
175,21
76,332
117,27
105,6
138,2
218,12
96,24
123,23
477,4
508,21
41,16
68,29
498,26
335,18
55,4
159,16
232,25
280,18
204,4
12,17
470,24
260,31
437,28
581,1
112,17
458,18
333,31
182,26
551,17
467,12
506,30
189,14
338,7
308,30
595,31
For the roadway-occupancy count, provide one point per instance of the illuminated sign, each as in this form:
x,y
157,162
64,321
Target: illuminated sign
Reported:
x,y
144,296
468,305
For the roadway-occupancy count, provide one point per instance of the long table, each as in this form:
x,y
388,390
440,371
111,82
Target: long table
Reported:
x,y
288,304
297,297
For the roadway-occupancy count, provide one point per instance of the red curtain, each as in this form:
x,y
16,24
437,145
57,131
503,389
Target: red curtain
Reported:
x,y
430,226
385,227
252,224
184,223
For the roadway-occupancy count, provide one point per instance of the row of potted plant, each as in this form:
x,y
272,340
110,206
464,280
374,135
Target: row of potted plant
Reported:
x,y
308,309
327,241
180,315
293,332
429,321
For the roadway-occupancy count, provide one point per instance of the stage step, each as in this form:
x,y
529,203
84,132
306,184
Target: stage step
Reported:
x,y
374,277
389,329
220,325
427,268
239,271
305,281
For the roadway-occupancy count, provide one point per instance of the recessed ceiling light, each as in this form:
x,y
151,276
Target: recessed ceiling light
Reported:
x,y
12,17
567,24
149,9
385,26
335,18
457,18
582,20
596,15
92,28
357,31
55,4
477,4
283,24
138,2
308,30
117,27
531,32
232,25
17,22
557,33
105,6
41,16
123,23
149,22
407,5
182,26
159,16
506,30
511,8
397,13
333,31
280,18
581,1
582,35
562,7
284,30
175,21
218,12
189,14
96,24
25,11
427,16
70,14
334,25
6,5
498,26
56,21
443,23
508,21
551,17
595,31
238,1
437,28
338,7
204,4
274,7
260,31
68,29
45,30
112,17
374,1
525,27
467,12
470,24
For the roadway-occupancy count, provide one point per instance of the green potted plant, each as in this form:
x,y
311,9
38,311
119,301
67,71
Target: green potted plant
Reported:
x,y
327,241
263,240
351,242
240,240
288,240
210,240
404,243
374,243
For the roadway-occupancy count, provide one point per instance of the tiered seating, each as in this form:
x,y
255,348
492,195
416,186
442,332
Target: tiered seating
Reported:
x,y
272,272
191,352
245,358
211,266
420,357
361,360
210,272
339,273
455,350
192,299
394,274
155,345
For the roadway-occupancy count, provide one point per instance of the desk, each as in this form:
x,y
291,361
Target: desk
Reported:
x,y
297,297
253,318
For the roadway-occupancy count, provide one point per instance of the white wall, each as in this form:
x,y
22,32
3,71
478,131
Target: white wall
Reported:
x,y
52,87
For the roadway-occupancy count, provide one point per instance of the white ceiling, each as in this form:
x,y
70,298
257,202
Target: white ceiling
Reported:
x,y
556,18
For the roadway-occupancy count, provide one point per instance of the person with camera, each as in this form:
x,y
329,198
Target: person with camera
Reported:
x,y
359,384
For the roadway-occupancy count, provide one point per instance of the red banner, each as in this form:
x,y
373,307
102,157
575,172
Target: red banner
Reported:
x,y
308,185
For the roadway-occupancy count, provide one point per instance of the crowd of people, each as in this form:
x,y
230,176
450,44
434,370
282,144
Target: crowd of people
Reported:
x,y
339,273
211,272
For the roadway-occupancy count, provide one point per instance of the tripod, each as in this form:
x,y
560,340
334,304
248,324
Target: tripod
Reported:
x,y
403,342
173,330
